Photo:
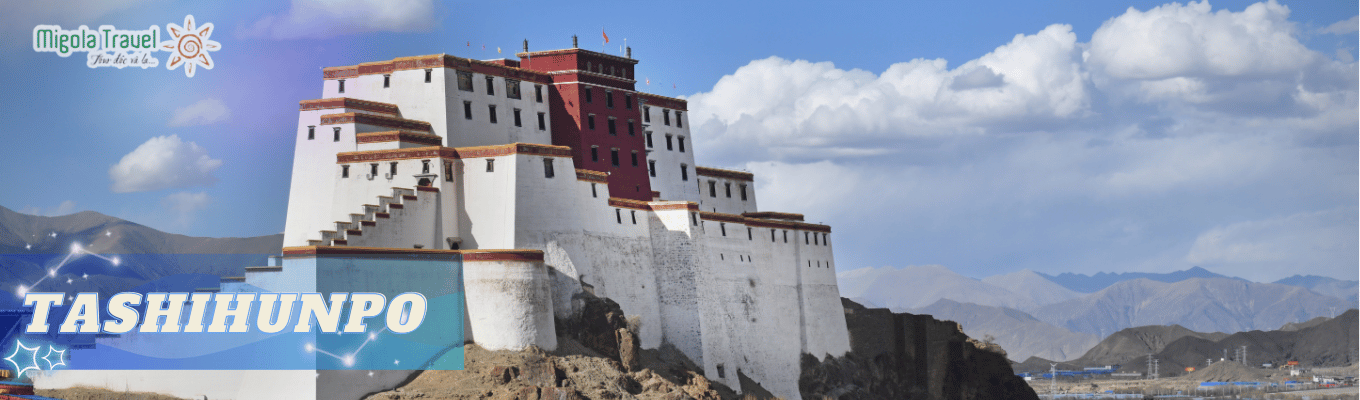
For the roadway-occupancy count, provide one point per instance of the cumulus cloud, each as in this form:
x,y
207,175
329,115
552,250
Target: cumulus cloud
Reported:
x,y
785,107
1322,240
204,112
163,162
184,205
1048,153
1344,27
323,19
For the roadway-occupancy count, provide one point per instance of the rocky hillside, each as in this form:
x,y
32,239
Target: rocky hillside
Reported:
x,y
908,356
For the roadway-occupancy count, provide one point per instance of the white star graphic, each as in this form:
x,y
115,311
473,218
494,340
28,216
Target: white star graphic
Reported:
x,y
190,46
32,358
60,357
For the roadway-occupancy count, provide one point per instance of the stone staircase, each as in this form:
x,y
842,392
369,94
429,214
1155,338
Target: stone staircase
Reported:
x,y
347,231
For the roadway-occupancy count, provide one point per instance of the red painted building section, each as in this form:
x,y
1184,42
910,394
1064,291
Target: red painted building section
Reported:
x,y
574,72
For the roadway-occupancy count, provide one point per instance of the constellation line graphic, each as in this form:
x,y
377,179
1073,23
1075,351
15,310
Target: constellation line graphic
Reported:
x,y
76,252
349,359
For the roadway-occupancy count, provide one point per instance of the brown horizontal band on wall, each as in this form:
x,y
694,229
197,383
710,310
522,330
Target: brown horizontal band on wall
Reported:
x,y
763,223
435,61
723,217
773,215
376,120
592,176
663,101
672,206
399,136
467,255
629,203
453,152
724,173
346,102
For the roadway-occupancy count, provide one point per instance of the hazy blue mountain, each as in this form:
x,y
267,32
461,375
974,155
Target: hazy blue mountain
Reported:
x,y
1020,334
902,289
1093,283
1349,290
31,246
1199,304
1033,286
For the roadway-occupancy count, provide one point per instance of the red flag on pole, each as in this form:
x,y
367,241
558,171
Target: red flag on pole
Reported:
x,y
606,35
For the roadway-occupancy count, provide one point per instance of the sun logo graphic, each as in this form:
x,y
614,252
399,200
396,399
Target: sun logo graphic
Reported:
x,y
189,46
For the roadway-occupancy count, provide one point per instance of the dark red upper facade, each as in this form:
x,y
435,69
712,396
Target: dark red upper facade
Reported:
x,y
592,91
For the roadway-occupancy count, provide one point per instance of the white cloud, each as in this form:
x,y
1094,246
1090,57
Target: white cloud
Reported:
x,y
784,107
1047,153
66,207
1273,248
163,162
323,19
184,205
1177,40
204,112
1344,27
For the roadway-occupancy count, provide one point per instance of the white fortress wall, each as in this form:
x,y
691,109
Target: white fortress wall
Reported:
x,y
487,218
509,304
720,191
677,257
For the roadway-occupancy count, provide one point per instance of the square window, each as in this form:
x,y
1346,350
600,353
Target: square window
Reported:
x,y
590,121
649,139
633,213
337,134
344,171
668,143
467,110
609,98
387,81
628,101
646,114
465,81
635,163
743,192
512,88
548,168
651,168
542,125
342,86
490,165
592,191
538,93
490,86
712,189
679,122
666,117
684,172
311,132
618,215
681,139
517,117
727,186
614,156
612,130
631,132
587,92
429,75
491,111
594,153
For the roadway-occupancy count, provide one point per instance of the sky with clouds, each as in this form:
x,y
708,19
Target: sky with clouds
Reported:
x,y
984,136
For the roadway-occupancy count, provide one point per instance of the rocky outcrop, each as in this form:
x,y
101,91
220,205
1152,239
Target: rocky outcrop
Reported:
x,y
908,356
602,326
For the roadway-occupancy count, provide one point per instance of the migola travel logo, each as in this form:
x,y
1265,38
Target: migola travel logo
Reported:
x,y
108,46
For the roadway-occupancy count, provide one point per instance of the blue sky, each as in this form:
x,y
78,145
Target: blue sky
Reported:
x,y
986,136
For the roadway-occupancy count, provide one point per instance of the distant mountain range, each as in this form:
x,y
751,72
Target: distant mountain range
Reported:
x,y
1031,314
30,246
1331,342
1093,283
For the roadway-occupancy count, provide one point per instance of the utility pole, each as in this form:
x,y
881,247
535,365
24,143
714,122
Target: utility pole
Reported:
x,y
1053,380
1244,355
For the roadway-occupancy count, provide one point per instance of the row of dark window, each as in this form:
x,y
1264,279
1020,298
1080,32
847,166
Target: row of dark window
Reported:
x,y
665,117
512,89
599,69
613,156
424,169
727,187
613,127
491,115
669,145
750,235
618,215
